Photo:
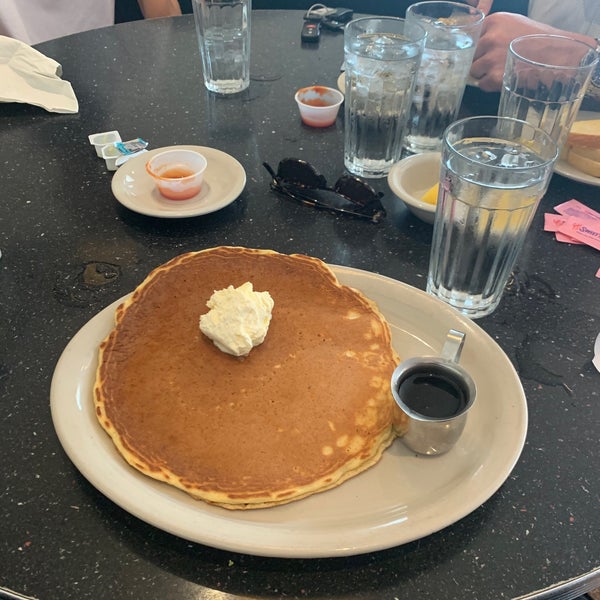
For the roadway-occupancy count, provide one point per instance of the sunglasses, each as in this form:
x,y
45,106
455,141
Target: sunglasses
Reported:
x,y
299,180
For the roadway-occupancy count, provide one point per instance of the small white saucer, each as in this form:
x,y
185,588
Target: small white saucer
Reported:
x,y
224,180
341,82
410,178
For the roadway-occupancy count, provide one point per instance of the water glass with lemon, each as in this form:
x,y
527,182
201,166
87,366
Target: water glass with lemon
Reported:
x,y
494,172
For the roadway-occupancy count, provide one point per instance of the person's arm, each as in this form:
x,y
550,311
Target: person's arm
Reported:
x,y
159,8
498,31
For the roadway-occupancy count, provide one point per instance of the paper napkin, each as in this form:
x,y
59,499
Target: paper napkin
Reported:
x,y
27,76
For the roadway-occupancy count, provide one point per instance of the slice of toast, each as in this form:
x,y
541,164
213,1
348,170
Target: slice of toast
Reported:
x,y
585,159
585,134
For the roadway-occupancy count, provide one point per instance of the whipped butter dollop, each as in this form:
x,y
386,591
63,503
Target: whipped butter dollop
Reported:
x,y
238,318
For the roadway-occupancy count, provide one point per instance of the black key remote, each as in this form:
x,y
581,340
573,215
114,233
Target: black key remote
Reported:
x,y
341,15
311,31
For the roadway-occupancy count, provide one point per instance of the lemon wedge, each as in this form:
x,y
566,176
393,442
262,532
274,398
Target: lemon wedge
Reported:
x,y
430,196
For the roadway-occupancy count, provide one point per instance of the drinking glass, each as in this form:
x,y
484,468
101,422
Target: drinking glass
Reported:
x,y
223,30
545,79
494,172
452,33
381,58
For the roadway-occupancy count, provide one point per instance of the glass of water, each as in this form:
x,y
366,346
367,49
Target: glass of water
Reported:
x,y
494,172
545,79
452,33
381,57
223,30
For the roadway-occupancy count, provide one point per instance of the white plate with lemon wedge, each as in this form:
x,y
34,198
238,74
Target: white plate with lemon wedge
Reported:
x,y
414,180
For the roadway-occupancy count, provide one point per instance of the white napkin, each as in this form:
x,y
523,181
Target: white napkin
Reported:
x,y
29,77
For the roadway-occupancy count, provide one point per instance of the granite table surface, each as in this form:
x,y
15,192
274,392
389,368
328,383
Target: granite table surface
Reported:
x,y
69,249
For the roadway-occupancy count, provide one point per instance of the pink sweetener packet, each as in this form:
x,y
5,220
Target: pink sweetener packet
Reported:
x,y
553,222
584,230
574,208
567,239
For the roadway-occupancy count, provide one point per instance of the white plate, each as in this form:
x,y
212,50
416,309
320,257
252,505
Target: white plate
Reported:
x,y
224,180
402,498
565,169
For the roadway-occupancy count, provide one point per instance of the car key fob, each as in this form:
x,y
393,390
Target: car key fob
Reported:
x,y
341,15
311,31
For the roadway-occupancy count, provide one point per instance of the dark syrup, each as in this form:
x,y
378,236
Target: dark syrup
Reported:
x,y
434,393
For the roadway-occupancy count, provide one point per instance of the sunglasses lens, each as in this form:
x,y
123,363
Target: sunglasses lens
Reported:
x,y
300,173
332,200
355,190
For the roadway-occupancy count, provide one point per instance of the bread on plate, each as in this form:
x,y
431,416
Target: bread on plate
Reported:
x,y
583,147
585,134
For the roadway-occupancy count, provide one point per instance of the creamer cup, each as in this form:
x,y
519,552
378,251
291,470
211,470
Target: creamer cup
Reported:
x,y
99,140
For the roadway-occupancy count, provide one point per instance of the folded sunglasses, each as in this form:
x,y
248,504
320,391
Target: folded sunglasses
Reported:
x,y
300,181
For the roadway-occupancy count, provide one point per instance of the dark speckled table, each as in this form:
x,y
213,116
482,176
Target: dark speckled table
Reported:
x,y
69,249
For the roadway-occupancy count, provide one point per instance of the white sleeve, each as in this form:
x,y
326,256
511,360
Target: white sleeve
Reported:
x,y
35,21
569,16
11,23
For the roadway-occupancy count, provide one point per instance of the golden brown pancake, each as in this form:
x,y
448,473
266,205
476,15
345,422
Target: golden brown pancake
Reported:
x,y
307,409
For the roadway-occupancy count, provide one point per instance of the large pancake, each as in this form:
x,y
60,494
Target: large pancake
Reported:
x,y
304,411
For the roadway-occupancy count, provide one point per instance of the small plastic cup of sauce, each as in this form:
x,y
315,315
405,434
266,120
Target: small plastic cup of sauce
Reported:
x,y
178,173
436,394
318,105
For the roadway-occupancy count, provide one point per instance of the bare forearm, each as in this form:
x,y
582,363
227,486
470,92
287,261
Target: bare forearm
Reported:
x,y
159,8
